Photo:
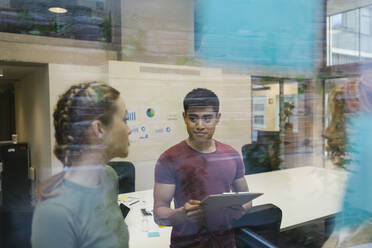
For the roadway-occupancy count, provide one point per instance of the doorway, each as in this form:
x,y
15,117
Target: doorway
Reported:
x,y
7,110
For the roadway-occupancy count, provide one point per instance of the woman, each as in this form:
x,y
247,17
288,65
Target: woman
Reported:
x,y
343,104
78,207
351,109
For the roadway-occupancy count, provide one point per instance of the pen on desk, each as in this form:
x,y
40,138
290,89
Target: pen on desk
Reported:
x,y
133,203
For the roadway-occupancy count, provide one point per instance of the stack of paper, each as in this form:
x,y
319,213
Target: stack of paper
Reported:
x,y
128,200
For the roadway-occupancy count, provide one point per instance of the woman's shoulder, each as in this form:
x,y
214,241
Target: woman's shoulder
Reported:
x,y
66,198
51,217
110,172
51,208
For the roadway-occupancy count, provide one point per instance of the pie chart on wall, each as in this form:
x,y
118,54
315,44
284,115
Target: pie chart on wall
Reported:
x,y
150,112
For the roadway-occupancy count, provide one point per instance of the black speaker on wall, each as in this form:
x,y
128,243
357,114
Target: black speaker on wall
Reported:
x,y
16,209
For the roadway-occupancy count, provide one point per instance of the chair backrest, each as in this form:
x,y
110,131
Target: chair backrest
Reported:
x,y
268,137
126,173
256,158
263,220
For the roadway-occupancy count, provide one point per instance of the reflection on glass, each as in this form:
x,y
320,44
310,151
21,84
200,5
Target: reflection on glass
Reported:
x,y
344,36
263,154
365,34
81,20
339,95
349,145
350,36
265,105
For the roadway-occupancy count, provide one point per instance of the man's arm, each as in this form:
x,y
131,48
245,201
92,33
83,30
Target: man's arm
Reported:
x,y
240,185
164,215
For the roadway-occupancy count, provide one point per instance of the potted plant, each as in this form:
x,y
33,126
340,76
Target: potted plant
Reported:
x,y
287,113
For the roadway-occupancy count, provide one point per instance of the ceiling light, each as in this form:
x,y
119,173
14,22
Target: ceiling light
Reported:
x,y
58,10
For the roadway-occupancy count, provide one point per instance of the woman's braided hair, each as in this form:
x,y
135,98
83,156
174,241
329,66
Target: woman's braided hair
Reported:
x,y
73,114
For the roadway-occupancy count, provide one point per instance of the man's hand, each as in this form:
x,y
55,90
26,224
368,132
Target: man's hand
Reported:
x,y
193,211
235,212
247,206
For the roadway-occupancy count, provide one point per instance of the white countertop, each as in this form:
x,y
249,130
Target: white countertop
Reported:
x,y
304,194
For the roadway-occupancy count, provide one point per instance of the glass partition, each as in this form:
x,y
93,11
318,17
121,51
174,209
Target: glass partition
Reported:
x,y
125,118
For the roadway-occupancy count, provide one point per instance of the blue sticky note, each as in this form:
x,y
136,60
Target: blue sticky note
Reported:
x,y
153,234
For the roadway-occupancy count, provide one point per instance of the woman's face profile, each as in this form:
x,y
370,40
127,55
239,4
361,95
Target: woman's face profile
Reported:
x,y
117,132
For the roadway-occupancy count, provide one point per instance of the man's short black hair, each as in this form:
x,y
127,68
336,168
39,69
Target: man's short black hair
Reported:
x,y
201,97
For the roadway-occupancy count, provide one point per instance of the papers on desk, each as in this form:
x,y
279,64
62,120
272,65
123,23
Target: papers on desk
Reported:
x,y
128,200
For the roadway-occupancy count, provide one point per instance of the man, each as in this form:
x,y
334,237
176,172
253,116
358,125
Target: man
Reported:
x,y
193,169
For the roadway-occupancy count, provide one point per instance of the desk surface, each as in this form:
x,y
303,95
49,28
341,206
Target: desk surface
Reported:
x,y
304,194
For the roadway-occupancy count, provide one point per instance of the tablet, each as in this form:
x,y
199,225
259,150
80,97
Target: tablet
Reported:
x,y
219,201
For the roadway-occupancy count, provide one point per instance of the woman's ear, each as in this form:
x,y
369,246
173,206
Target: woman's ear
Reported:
x,y
98,129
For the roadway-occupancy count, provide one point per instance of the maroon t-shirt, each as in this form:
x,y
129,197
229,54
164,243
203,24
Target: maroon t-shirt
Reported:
x,y
197,175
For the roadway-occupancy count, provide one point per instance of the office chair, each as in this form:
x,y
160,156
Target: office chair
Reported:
x,y
126,173
259,228
256,158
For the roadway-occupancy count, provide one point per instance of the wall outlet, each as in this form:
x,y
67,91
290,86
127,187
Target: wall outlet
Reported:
x,y
31,173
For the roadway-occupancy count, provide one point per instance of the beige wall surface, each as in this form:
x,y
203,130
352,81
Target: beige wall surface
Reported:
x,y
39,49
32,118
157,31
163,88
142,86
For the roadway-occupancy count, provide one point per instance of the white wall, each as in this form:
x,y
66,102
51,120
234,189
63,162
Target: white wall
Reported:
x,y
164,91
32,118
